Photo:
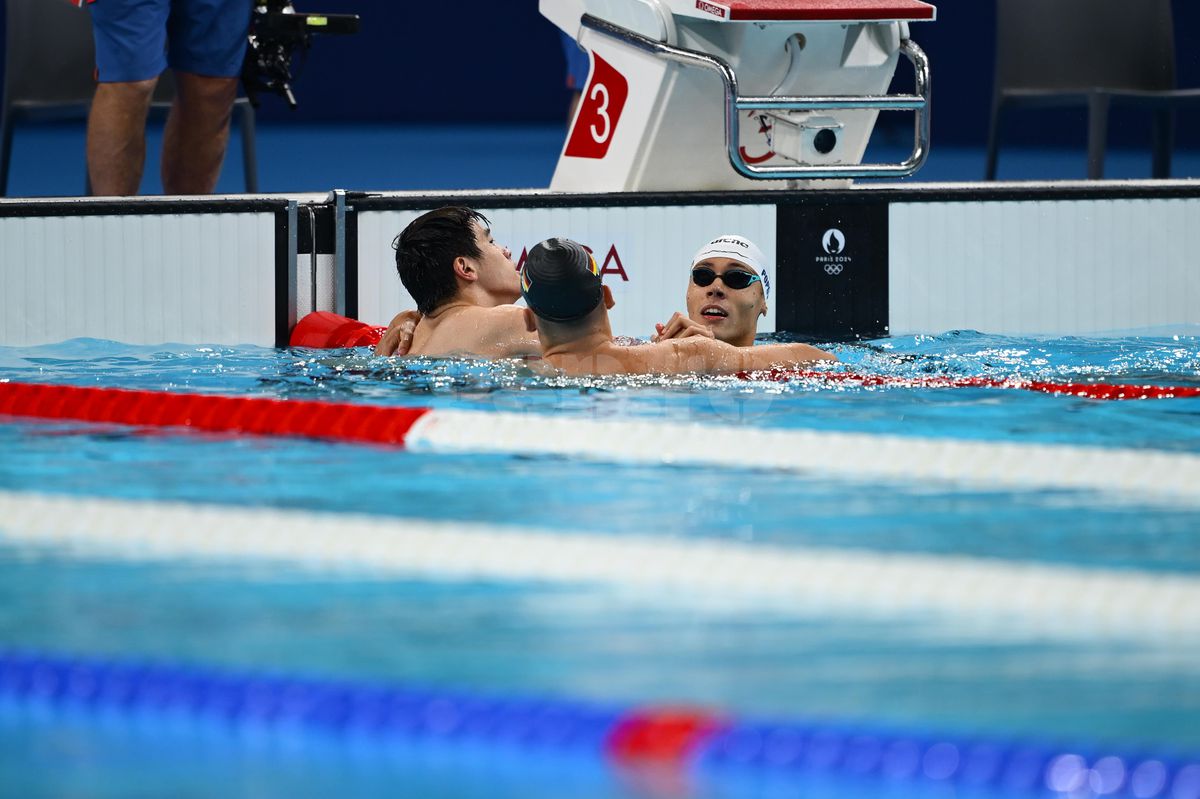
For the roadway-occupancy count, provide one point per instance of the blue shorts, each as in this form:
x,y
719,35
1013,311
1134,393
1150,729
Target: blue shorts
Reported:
x,y
138,39
577,63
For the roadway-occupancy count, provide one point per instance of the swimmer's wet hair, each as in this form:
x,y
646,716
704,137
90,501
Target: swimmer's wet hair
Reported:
x,y
426,249
560,280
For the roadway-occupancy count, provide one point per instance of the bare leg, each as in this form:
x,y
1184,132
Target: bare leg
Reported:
x,y
116,137
196,133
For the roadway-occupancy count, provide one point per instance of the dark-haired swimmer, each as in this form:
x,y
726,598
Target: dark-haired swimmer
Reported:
x,y
464,284
568,307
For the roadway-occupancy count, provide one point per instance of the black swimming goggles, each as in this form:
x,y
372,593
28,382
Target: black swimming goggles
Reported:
x,y
736,279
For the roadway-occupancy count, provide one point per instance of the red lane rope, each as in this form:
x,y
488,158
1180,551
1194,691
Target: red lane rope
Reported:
x,y
1100,391
390,425
258,416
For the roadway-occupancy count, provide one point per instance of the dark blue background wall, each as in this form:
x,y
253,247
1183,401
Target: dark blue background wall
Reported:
x,y
493,61
499,60
461,61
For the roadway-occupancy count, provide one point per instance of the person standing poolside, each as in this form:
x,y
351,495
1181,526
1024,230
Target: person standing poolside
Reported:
x,y
568,307
204,42
726,295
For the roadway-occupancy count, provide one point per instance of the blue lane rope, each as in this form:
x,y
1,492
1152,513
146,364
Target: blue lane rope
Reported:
x,y
732,748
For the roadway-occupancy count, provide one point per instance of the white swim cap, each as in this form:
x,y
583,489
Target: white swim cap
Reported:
x,y
740,249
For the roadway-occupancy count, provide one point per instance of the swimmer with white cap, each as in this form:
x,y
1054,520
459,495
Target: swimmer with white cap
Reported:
x,y
568,308
727,293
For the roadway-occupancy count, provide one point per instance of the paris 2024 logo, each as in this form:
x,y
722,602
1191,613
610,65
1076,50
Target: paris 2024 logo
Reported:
x,y
833,242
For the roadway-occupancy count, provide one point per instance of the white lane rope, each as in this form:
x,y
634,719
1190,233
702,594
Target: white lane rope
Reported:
x,y
1019,597
1142,475
1152,475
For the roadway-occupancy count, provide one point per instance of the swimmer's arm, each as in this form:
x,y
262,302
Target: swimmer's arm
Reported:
x,y
697,354
764,356
398,337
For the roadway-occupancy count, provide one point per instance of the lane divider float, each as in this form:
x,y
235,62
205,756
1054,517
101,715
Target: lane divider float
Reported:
x,y
325,330
1096,391
700,744
993,465
1013,597
335,421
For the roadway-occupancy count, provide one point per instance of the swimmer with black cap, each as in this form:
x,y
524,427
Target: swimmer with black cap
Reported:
x,y
568,308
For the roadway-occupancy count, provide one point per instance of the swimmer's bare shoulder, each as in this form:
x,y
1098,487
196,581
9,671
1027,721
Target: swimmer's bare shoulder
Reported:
x,y
497,332
505,334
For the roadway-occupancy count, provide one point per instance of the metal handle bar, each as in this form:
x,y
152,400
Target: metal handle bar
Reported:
x,y
919,102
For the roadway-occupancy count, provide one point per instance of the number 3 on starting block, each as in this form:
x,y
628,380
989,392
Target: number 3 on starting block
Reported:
x,y
602,102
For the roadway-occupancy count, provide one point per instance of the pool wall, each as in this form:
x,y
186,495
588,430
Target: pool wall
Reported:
x,y
219,271
1086,258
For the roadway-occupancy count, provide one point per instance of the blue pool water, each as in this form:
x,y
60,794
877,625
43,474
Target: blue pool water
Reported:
x,y
585,642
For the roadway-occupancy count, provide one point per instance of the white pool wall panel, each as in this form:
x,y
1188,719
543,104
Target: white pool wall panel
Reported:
x,y
139,279
1052,267
1104,259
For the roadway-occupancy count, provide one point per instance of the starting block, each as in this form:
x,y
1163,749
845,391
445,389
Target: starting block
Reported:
x,y
703,95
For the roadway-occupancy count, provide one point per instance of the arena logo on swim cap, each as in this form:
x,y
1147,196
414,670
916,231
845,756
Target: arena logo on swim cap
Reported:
x,y
745,245
526,283
592,265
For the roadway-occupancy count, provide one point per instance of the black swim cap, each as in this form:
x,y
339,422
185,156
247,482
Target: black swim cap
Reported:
x,y
560,280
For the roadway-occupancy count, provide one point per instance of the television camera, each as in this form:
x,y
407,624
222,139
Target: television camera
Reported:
x,y
277,34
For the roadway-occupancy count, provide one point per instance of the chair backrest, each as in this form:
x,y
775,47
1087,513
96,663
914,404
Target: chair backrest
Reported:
x,y
50,56
1085,44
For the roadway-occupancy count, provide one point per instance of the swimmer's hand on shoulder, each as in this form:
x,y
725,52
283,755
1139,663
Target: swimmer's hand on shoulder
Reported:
x,y
398,338
680,326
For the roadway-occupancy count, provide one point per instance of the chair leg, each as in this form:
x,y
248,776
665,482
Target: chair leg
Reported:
x,y
5,151
1164,141
249,153
1097,134
993,142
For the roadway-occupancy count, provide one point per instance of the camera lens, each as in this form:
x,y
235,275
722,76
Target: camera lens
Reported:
x,y
825,141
